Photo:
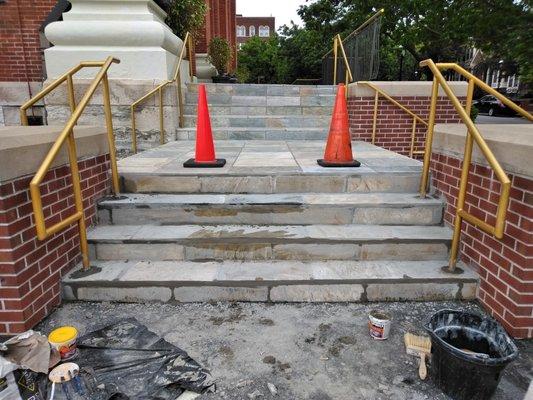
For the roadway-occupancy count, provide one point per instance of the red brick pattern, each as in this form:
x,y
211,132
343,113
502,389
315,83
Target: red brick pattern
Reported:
x,y
21,58
394,126
30,269
505,266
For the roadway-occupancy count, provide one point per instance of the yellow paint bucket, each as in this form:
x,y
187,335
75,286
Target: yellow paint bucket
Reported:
x,y
63,339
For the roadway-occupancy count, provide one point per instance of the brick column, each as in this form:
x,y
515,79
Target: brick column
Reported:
x,y
31,269
505,267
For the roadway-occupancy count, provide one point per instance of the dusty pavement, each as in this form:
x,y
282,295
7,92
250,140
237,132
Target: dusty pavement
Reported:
x,y
307,351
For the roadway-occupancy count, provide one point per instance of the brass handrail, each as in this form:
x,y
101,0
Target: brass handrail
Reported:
x,y
187,44
305,80
473,135
348,77
67,134
416,118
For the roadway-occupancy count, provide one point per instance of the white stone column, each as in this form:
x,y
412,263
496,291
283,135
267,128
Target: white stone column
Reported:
x,y
131,30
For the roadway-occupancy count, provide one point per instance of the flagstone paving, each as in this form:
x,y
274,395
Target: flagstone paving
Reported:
x,y
265,157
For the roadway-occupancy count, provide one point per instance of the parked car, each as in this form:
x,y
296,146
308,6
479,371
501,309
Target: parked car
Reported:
x,y
490,105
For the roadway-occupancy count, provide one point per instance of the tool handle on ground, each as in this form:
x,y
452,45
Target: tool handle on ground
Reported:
x,y
422,369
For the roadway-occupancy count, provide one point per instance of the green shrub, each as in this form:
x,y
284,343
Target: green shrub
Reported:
x,y
219,54
186,16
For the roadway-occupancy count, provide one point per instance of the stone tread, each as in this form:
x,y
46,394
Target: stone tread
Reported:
x,y
333,200
260,273
269,233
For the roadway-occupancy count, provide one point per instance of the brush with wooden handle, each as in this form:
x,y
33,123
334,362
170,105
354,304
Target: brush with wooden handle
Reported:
x,y
418,346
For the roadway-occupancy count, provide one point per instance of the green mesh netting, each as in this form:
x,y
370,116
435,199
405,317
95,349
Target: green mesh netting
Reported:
x,y
362,51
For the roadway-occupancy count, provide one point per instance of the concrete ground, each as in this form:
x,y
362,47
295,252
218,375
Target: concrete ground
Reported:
x,y
307,351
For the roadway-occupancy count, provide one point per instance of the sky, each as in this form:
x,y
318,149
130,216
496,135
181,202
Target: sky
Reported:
x,y
283,10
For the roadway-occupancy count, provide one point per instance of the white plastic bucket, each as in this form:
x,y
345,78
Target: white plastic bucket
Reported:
x,y
379,324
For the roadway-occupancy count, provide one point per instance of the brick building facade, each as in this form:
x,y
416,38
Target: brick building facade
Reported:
x,y
219,22
21,57
247,27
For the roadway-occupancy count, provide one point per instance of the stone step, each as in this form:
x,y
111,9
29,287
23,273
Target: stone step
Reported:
x,y
256,100
263,121
273,281
272,209
136,181
264,89
218,109
253,133
269,242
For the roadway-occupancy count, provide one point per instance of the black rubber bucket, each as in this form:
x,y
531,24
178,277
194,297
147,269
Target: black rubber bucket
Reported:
x,y
469,353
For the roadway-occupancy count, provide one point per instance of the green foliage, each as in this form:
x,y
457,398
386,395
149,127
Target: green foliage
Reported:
x,y
437,29
186,16
262,61
474,112
219,54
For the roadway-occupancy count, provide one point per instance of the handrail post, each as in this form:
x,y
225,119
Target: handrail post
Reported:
x,y
161,117
413,136
375,119
463,184
335,50
429,138
78,200
133,131
110,135
190,57
181,120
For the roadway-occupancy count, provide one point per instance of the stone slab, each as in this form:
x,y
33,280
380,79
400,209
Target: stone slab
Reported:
x,y
219,293
317,293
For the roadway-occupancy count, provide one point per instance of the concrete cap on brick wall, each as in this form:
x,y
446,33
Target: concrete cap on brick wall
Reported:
x,y
403,88
23,148
512,144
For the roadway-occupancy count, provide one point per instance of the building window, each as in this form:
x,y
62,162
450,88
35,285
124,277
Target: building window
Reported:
x,y
241,31
251,30
264,31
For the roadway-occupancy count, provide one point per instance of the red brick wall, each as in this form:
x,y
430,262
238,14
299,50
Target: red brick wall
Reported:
x,y
394,126
21,58
30,269
505,266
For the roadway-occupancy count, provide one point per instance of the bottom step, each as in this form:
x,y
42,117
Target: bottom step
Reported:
x,y
278,281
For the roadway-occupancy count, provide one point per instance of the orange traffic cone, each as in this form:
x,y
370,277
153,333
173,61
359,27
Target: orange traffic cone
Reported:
x,y
205,149
339,146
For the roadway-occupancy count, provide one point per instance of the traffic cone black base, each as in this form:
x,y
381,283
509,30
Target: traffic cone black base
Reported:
x,y
324,163
192,163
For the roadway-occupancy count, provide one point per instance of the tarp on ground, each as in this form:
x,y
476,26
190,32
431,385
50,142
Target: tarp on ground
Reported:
x,y
140,364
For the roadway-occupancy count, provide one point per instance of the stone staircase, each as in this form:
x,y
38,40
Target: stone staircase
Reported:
x,y
262,112
270,226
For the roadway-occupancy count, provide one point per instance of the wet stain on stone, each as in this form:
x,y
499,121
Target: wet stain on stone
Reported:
x,y
240,233
347,340
283,366
266,321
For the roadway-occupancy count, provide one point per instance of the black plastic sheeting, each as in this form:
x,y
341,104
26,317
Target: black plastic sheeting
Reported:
x,y
123,361
132,361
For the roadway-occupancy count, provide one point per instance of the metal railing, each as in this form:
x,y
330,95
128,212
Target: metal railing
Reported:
x,y
306,81
348,77
338,41
67,135
416,118
473,135
187,44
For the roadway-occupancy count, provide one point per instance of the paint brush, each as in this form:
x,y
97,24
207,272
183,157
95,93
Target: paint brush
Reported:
x,y
418,346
